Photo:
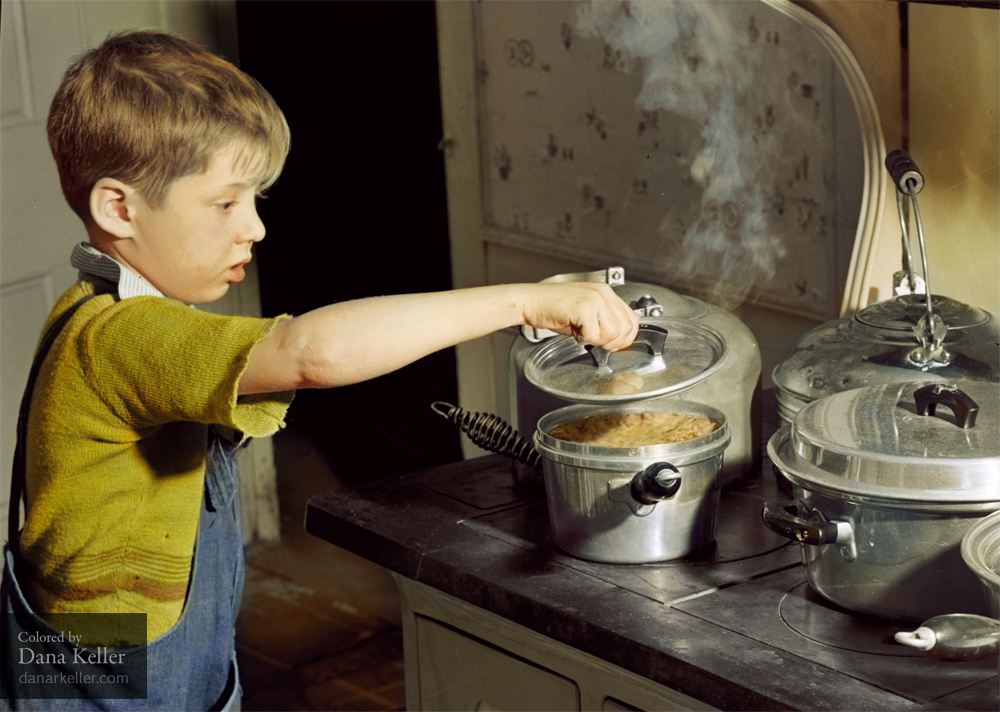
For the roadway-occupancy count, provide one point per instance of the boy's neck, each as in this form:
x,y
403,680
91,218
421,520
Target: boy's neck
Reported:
x,y
107,243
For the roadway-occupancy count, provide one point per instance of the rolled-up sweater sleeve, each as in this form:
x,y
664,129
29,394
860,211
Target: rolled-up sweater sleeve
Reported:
x,y
156,360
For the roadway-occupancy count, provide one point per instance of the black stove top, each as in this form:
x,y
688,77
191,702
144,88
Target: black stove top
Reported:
x,y
735,624
750,581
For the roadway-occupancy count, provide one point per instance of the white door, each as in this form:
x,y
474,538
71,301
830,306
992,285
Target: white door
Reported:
x,y
38,40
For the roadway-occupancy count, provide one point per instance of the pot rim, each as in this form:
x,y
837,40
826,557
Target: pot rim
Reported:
x,y
984,533
810,477
627,459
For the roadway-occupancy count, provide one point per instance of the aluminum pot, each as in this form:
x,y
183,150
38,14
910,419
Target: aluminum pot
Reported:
x,y
885,485
882,344
733,388
981,551
632,505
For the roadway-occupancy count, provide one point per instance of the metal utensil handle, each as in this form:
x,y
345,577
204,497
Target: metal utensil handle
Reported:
x,y
955,636
654,336
782,518
928,398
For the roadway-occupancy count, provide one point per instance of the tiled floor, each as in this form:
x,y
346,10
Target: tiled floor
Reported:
x,y
319,627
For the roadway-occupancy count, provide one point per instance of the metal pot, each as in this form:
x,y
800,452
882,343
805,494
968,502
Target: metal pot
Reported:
x,y
879,345
916,336
981,551
632,505
733,388
885,486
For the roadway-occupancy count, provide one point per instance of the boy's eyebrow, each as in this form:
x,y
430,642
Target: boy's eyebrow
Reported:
x,y
237,185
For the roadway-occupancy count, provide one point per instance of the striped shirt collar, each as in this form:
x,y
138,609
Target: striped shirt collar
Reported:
x,y
89,259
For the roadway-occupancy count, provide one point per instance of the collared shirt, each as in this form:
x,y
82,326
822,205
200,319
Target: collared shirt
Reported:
x,y
89,259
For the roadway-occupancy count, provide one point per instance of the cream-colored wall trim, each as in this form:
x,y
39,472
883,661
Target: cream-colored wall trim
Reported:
x,y
875,176
460,143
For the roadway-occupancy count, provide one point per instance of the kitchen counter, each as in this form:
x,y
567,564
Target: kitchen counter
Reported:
x,y
733,626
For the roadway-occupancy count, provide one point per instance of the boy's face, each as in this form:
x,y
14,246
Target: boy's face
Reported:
x,y
198,241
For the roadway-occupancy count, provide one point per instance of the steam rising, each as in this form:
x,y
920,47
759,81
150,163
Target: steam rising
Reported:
x,y
701,64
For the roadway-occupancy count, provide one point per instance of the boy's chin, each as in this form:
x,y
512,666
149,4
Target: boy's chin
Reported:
x,y
206,297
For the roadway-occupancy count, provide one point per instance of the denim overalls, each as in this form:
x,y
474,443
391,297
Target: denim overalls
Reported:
x,y
193,665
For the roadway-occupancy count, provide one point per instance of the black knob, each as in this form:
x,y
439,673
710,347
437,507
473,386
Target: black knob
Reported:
x,y
904,172
658,482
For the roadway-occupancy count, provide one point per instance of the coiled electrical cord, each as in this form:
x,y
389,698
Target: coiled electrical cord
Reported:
x,y
491,433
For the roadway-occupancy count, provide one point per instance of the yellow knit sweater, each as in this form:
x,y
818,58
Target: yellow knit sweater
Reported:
x,y
117,450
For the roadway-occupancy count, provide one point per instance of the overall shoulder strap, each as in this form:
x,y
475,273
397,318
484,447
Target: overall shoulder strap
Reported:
x,y
20,450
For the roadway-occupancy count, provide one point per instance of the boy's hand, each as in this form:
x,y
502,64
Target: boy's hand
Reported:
x,y
590,312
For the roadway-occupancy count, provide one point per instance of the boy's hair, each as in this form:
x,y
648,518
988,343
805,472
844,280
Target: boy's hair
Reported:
x,y
148,108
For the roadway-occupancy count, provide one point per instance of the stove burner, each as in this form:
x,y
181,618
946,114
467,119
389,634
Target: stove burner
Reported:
x,y
813,617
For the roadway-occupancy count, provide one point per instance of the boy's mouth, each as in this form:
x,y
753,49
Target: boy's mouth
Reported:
x,y
237,273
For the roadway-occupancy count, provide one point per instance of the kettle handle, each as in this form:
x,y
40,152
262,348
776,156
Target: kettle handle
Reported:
x,y
904,171
928,398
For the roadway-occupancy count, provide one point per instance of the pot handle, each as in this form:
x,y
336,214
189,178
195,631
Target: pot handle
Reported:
x,y
658,482
930,397
782,518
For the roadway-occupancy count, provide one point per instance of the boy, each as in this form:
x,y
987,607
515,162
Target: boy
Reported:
x,y
129,487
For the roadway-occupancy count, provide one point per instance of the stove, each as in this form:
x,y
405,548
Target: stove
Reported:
x,y
749,580
473,530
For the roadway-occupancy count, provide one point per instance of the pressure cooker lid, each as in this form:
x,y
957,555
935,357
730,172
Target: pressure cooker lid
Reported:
x,y
667,356
904,312
914,441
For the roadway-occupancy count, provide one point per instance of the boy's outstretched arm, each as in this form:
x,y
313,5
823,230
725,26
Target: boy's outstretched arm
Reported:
x,y
353,341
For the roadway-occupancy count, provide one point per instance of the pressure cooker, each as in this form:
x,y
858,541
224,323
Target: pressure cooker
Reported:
x,y
887,480
731,385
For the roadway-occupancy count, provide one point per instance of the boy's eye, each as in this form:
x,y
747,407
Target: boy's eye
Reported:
x,y
226,206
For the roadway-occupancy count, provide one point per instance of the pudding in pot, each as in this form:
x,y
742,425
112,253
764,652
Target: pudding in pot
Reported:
x,y
628,430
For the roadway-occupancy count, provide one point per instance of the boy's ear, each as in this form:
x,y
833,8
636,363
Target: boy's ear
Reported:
x,y
112,207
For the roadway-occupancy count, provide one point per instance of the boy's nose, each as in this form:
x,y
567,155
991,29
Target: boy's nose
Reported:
x,y
254,230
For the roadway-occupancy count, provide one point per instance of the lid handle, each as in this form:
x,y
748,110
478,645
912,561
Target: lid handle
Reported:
x,y
652,335
930,397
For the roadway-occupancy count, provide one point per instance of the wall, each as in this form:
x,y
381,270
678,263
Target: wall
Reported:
x,y
951,122
871,31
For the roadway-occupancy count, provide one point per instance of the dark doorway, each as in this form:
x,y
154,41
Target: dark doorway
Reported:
x,y
360,208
